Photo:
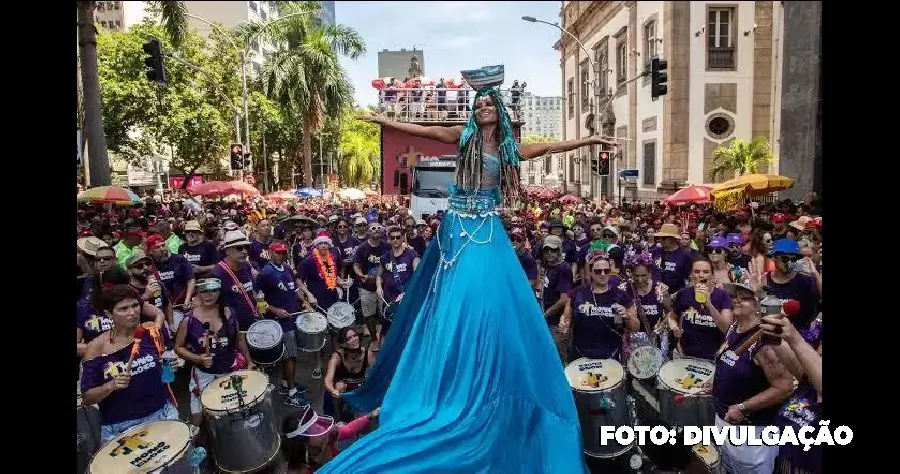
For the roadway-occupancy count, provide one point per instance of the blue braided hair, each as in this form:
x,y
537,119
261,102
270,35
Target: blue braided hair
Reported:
x,y
471,144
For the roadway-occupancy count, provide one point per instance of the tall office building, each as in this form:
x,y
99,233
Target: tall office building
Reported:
x,y
231,14
327,13
400,64
543,116
117,16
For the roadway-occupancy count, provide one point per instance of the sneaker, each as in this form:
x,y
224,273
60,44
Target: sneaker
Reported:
x,y
283,391
301,389
296,400
317,373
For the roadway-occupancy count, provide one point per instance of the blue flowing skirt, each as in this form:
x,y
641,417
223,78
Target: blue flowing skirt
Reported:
x,y
468,379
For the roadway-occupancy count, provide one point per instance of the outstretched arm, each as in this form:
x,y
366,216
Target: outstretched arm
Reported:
x,y
441,134
534,150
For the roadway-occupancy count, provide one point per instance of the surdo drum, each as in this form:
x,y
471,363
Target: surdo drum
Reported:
x,y
87,439
265,342
341,315
311,329
241,421
600,398
681,402
156,447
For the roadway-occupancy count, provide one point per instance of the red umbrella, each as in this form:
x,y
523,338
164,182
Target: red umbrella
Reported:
x,y
569,199
222,188
242,188
690,195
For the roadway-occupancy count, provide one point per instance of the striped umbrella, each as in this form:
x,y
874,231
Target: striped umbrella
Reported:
x,y
110,195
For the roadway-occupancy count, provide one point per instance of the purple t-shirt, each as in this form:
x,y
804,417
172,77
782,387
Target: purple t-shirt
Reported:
x,y
143,396
397,270
595,332
672,268
221,346
739,378
701,338
174,275
91,322
309,271
651,303
528,264
569,252
233,297
369,258
802,409
347,248
259,253
803,288
203,254
280,289
300,251
557,280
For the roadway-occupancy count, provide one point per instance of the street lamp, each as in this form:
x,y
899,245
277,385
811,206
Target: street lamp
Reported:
x,y
243,53
595,73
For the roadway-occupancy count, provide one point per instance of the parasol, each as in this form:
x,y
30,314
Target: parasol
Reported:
x,y
110,195
223,188
693,194
352,193
569,199
756,183
281,196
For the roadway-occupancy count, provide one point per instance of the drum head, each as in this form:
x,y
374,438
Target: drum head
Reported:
x,y
686,375
265,334
645,362
220,395
341,315
594,375
311,322
708,454
144,448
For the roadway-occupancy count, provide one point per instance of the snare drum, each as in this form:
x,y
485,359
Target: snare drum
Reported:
x,y
265,342
311,327
680,382
341,315
645,361
599,388
242,428
155,447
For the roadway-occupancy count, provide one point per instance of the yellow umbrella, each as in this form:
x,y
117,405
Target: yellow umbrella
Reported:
x,y
756,183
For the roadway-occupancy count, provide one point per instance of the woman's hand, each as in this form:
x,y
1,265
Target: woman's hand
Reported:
x,y
780,327
677,332
206,361
121,381
734,414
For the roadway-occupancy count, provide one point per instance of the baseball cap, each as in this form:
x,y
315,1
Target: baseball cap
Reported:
x,y
552,241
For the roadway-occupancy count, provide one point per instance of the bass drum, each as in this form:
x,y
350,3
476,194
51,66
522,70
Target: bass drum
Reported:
x,y
87,438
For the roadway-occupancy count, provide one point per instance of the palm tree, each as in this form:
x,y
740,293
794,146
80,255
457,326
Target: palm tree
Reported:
x,y
173,19
305,78
359,152
740,157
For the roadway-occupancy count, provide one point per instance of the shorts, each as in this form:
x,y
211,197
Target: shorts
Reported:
x,y
199,381
290,345
108,432
368,301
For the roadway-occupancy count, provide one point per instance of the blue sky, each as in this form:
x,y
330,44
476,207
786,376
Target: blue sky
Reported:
x,y
455,36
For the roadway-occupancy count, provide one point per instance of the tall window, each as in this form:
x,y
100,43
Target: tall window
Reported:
x,y
570,95
720,38
649,174
572,168
548,165
650,42
621,60
585,85
601,58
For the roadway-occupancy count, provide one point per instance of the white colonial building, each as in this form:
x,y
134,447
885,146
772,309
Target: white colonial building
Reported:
x,y
724,81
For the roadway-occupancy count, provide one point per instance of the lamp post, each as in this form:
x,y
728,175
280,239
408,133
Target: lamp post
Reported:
x,y
243,53
595,73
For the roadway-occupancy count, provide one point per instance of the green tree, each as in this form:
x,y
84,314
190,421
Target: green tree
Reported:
x,y
305,78
740,157
271,132
173,17
193,114
359,150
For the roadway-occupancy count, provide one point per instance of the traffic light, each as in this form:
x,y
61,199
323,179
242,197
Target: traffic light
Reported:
x,y
658,78
156,71
237,157
248,157
600,164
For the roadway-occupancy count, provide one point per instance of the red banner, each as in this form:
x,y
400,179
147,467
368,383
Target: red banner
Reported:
x,y
175,182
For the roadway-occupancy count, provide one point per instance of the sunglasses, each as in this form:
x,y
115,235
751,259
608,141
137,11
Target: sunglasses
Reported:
x,y
395,237
602,271
241,248
139,266
784,258
734,246
596,229
717,250
343,227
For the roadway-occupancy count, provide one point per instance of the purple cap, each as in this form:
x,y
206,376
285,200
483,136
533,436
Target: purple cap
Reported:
x,y
735,238
718,242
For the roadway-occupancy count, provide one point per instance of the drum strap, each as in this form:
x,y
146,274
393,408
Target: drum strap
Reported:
x,y
153,329
239,286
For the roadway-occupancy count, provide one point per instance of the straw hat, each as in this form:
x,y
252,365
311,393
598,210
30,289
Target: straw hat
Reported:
x,y
234,238
90,245
668,230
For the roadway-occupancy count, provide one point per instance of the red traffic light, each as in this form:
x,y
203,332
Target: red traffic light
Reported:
x,y
604,155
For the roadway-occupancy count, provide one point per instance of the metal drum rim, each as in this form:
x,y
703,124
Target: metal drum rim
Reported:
x,y
248,405
178,455
312,333
266,322
675,389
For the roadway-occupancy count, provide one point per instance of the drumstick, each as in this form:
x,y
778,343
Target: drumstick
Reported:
x,y
206,336
788,309
135,346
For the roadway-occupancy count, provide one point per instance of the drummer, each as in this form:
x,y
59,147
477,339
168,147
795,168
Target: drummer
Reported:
x,y
654,295
365,269
700,326
176,274
602,313
303,243
346,368
396,268
310,440
209,338
748,385
278,284
127,396
236,276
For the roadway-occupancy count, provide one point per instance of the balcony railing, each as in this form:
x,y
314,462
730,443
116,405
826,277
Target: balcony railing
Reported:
x,y
429,104
720,58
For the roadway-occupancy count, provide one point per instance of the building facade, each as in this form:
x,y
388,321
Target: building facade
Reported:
x,y
117,16
724,81
231,14
401,64
327,13
542,117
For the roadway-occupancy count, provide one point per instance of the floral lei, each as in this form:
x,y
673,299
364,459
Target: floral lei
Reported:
x,y
327,272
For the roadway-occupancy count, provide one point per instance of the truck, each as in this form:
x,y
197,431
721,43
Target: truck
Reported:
x,y
432,177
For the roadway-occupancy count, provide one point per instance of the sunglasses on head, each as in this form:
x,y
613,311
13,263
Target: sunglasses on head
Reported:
x,y
601,271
